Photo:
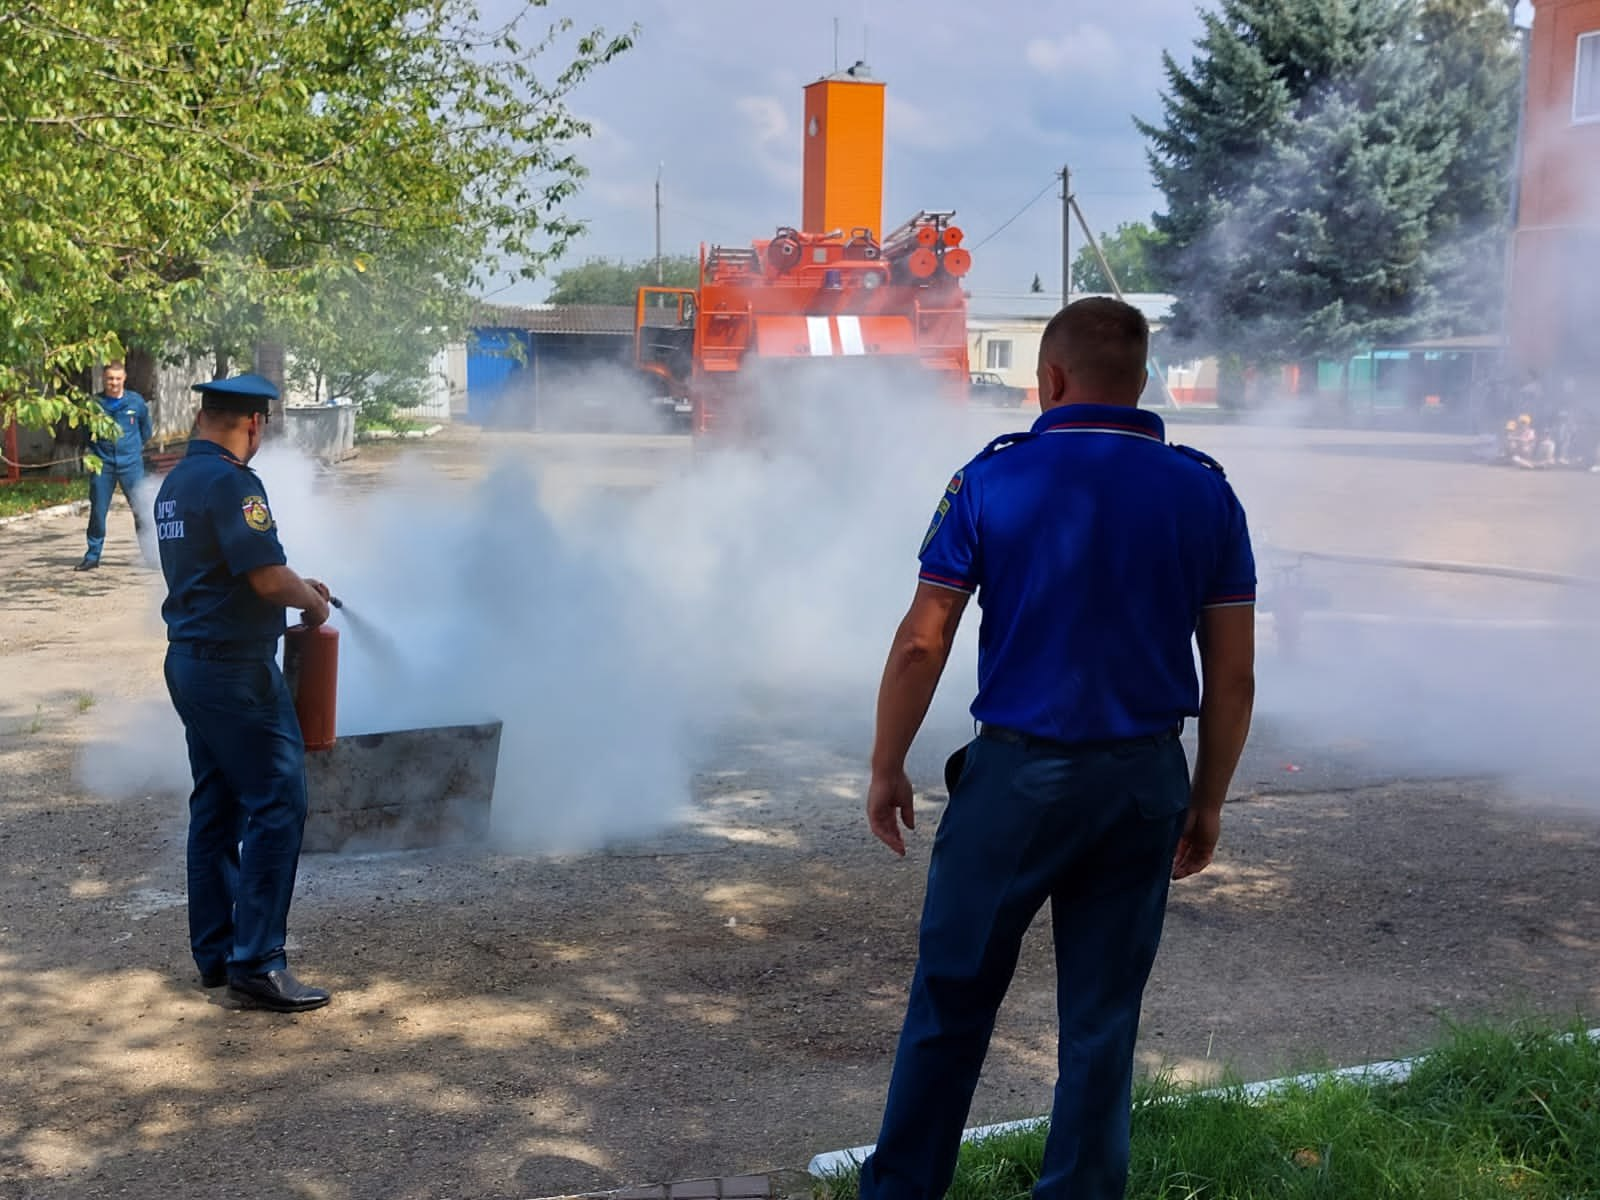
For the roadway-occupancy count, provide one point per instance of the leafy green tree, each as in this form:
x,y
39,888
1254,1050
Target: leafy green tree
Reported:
x,y
615,281
188,176
1128,251
1307,157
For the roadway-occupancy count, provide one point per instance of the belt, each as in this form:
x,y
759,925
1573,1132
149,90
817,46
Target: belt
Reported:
x,y
1030,741
244,651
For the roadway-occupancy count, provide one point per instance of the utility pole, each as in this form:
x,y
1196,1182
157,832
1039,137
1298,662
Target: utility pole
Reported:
x,y
659,166
1066,237
1159,375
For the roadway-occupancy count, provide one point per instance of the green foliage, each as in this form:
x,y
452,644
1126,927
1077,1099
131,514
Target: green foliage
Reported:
x,y
1476,68
1314,160
1488,1114
336,176
607,281
1128,252
30,495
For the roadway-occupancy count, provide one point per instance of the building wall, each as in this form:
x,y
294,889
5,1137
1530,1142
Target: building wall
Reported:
x,y
447,387
1009,349
1015,343
1555,281
1193,382
557,381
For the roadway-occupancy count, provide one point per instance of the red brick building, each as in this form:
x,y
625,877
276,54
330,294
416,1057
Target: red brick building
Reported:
x,y
1554,306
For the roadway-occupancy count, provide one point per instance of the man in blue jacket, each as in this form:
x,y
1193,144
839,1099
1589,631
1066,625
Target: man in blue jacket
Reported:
x,y
121,459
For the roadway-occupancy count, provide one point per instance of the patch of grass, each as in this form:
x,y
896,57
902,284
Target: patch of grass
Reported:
x,y
84,701
30,495
385,422
37,723
1505,1114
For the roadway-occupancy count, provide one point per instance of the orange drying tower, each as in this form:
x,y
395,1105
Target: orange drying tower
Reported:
x,y
831,293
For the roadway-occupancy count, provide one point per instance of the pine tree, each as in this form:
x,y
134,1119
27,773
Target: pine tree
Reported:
x,y
1474,59
1306,158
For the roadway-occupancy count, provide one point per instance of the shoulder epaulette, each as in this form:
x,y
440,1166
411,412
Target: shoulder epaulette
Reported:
x,y
1199,456
1004,440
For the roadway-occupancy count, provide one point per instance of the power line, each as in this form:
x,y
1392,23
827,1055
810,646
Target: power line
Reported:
x,y
1019,212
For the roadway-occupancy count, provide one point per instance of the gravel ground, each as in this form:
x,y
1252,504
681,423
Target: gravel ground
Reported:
x,y
723,997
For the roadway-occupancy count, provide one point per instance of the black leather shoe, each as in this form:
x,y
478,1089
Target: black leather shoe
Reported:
x,y
88,564
276,990
214,979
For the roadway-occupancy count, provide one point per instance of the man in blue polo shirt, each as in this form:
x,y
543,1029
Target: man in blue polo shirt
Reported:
x,y
121,459
1097,553
228,584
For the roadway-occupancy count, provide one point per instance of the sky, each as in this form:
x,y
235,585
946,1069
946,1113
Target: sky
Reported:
x,y
986,100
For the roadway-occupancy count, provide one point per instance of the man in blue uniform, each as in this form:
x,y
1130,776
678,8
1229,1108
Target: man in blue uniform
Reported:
x,y
121,458
1097,552
228,585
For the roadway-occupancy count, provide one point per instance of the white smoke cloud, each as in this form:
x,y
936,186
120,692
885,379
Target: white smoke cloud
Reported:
x,y
615,630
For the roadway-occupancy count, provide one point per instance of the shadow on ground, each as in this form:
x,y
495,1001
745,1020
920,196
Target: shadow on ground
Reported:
x,y
702,1002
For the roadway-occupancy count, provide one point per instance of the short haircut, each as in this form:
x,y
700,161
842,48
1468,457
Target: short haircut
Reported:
x,y
116,364
1104,343
221,418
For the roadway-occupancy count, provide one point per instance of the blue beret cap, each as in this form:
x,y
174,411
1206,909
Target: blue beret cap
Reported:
x,y
248,393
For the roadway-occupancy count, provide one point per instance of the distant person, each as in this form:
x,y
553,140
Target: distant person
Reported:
x,y
1510,442
121,458
1097,551
1524,442
228,584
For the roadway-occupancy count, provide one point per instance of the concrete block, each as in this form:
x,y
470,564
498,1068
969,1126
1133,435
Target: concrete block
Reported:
x,y
406,789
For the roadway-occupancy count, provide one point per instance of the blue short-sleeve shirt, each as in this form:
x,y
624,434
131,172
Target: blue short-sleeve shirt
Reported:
x,y
1092,547
213,526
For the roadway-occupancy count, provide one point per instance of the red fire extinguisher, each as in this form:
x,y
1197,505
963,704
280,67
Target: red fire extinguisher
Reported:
x,y
311,669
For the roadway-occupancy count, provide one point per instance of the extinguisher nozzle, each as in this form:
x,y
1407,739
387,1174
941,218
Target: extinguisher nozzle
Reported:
x,y
335,601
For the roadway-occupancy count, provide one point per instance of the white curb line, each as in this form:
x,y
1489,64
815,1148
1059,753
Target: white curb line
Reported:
x,y
40,514
389,435
1394,1070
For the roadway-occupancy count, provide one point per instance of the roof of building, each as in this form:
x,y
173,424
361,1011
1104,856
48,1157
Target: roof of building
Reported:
x,y
1041,306
857,72
612,320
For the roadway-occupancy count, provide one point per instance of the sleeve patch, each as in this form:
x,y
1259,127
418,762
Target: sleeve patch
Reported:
x,y
938,520
256,513
954,486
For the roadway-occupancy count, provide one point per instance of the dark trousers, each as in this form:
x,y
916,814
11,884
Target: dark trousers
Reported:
x,y
101,488
1094,834
247,813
